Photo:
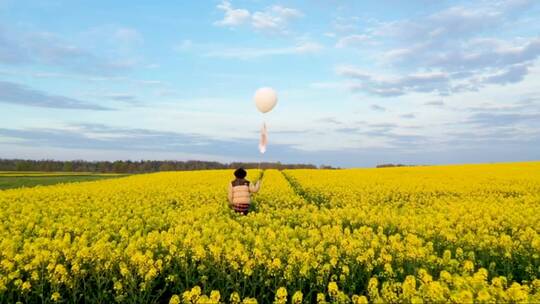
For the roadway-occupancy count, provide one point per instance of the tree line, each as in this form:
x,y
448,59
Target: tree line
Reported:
x,y
394,165
142,166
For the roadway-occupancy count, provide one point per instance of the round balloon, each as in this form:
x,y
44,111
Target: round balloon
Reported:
x,y
265,99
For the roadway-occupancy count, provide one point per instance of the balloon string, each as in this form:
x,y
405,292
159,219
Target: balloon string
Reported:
x,y
262,154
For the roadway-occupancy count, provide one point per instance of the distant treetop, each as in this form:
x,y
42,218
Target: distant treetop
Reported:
x,y
142,166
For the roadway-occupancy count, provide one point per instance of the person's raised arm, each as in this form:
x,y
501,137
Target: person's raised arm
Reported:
x,y
255,188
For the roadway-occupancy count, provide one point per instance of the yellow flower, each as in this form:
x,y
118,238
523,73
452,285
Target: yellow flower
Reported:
x,y
373,289
464,296
175,299
424,276
281,295
297,297
56,296
204,299
468,266
333,289
215,296
359,299
447,256
234,298
435,292
517,293
409,287
445,276
118,286
321,298
314,228
249,301
26,286
483,296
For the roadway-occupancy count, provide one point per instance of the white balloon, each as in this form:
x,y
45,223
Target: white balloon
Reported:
x,y
265,99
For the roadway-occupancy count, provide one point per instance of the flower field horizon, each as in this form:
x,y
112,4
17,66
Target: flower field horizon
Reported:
x,y
433,234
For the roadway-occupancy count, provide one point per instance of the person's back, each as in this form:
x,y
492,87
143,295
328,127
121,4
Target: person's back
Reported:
x,y
240,191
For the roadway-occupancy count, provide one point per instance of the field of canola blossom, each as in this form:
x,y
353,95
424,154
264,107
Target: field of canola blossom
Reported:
x,y
458,234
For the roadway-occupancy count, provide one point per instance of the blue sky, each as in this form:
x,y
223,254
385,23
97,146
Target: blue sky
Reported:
x,y
359,82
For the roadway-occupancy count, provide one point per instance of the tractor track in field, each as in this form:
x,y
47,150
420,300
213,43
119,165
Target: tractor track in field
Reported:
x,y
314,198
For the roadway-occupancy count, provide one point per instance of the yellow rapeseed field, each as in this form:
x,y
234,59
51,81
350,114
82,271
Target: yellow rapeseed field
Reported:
x,y
458,234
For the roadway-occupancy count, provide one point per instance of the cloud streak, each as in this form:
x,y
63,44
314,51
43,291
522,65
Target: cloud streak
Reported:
x,y
394,85
491,120
253,53
377,108
110,138
451,46
12,93
354,41
46,48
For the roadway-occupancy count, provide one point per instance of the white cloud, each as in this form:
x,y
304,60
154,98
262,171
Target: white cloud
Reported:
x,y
149,82
408,116
328,85
272,19
394,85
103,50
434,103
468,55
353,40
126,98
513,74
266,21
128,36
286,12
275,18
344,25
113,38
514,4
20,95
378,108
454,22
251,53
454,39
232,16
455,46
185,45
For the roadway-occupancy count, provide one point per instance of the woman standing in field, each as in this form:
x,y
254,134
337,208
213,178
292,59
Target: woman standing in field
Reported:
x,y
240,191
